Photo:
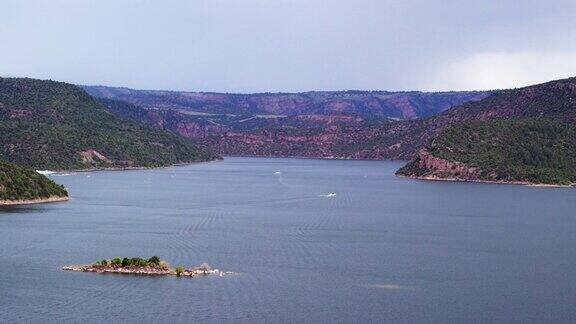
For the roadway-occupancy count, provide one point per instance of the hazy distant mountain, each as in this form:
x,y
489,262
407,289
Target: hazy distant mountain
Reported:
x,y
382,104
312,124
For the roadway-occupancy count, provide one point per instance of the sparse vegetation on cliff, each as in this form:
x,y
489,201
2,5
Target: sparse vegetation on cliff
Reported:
x,y
134,262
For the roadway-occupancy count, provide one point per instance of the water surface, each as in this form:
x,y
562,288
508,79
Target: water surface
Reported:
x,y
384,249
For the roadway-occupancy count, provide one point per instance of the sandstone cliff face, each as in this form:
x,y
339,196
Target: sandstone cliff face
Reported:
x,y
330,124
427,166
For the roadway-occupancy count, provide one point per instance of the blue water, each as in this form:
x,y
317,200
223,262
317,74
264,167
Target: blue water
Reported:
x,y
384,249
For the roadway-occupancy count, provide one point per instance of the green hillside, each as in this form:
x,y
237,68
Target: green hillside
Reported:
x,y
18,183
534,150
55,125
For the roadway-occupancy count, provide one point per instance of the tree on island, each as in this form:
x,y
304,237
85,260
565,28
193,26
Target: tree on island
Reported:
x,y
154,260
125,262
136,262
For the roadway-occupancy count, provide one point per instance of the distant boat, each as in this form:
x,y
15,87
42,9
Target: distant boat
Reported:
x,y
277,172
332,194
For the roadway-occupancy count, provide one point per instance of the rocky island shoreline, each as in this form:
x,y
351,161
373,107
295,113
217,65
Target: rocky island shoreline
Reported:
x,y
147,267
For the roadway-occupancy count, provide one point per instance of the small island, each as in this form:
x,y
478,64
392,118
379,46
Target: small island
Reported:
x,y
153,266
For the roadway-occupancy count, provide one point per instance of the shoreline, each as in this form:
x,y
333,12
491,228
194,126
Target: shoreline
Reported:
x,y
332,158
229,156
59,171
522,183
130,168
52,199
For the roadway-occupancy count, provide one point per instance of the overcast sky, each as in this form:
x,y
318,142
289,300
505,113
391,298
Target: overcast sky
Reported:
x,y
290,45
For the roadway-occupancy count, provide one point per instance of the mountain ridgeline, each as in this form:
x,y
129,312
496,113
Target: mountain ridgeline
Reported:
x,y
55,125
368,104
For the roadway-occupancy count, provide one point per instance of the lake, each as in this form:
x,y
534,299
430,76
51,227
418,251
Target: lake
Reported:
x,y
383,249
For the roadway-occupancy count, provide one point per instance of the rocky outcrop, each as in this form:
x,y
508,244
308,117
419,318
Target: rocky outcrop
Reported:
x,y
92,156
428,166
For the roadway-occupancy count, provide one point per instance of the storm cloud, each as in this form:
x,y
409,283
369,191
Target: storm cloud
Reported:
x,y
290,45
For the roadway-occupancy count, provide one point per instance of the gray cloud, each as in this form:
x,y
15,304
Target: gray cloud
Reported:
x,y
289,45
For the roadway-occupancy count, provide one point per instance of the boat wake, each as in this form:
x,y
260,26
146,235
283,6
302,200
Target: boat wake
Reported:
x,y
389,286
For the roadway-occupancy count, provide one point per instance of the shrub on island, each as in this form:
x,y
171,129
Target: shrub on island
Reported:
x,y
154,260
135,262
125,262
